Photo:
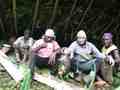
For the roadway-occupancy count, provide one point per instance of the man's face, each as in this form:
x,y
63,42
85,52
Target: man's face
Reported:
x,y
26,35
107,41
48,38
81,40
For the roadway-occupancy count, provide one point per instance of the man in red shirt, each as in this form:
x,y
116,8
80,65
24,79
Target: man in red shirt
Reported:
x,y
44,50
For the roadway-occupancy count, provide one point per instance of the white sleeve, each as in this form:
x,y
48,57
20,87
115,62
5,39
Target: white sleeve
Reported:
x,y
36,45
17,42
31,41
71,49
97,52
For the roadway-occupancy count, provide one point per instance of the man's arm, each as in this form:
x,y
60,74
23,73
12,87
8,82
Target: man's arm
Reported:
x,y
17,48
28,49
102,56
56,50
116,56
17,54
71,49
26,54
38,45
97,53
31,41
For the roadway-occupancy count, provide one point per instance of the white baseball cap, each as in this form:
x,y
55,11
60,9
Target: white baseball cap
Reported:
x,y
50,32
81,33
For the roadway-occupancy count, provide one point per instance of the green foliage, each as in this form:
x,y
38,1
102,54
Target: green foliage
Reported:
x,y
24,14
116,80
7,83
103,16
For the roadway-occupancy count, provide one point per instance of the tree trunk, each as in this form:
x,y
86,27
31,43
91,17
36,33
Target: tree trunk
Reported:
x,y
85,13
53,14
71,12
35,13
108,26
94,23
14,15
2,26
117,27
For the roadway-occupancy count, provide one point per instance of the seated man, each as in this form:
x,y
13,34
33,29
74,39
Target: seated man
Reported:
x,y
44,51
22,47
84,55
111,50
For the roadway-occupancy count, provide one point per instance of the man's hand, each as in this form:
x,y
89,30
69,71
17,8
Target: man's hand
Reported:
x,y
26,47
110,60
18,60
52,59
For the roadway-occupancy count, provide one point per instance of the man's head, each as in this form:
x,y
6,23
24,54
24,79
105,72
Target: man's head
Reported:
x,y
107,39
26,34
81,37
49,35
12,40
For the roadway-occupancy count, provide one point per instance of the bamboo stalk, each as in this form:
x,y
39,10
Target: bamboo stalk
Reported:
x,y
14,14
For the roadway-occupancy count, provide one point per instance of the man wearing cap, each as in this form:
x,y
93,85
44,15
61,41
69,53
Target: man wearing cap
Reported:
x,y
84,54
22,47
112,51
44,50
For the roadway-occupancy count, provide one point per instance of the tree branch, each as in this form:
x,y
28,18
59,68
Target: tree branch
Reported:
x,y
71,13
85,13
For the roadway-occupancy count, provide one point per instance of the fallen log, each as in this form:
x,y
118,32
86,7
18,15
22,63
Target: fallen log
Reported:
x,y
15,73
56,84
10,67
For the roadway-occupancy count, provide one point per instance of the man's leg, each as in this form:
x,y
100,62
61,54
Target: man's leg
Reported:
x,y
32,63
107,72
74,66
75,70
98,63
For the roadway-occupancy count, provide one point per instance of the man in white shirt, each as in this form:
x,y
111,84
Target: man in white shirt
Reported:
x,y
22,47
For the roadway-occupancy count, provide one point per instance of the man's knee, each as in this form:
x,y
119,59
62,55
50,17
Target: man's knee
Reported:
x,y
98,65
32,61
